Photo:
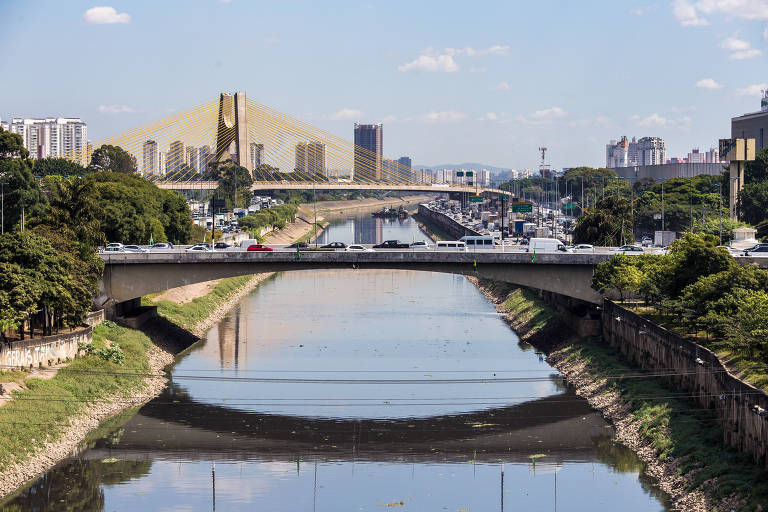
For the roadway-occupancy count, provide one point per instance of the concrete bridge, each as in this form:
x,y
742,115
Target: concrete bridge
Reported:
x,y
128,276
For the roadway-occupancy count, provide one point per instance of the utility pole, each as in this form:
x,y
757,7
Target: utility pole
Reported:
x,y
662,206
690,200
2,207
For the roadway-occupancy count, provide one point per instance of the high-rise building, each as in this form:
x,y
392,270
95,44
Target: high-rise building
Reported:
x,y
369,148
175,157
204,157
256,151
651,151
53,137
193,159
696,157
4,125
617,153
161,163
150,163
310,158
712,156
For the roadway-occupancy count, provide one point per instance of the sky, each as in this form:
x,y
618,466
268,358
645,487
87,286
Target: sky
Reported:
x,y
452,82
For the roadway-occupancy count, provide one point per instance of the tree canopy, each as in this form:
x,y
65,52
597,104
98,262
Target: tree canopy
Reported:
x,y
58,166
112,159
608,224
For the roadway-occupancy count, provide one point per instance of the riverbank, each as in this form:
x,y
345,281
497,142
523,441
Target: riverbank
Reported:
x,y
680,443
51,417
430,228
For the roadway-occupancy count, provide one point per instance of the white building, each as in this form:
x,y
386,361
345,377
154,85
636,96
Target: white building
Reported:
x,y
151,163
617,153
4,125
713,156
697,157
53,137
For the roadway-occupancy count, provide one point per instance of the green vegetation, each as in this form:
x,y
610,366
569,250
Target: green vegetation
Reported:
x,y
678,428
699,291
608,224
188,315
276,217
112,159
54,166
37,414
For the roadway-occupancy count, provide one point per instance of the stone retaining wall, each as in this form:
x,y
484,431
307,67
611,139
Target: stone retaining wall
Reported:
x,y
689,367
32,352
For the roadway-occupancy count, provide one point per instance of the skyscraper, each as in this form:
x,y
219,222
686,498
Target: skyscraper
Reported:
x,y
300,157
193,159
651,151
256,151
151,163
310,158
369,147
53,136
175,157
204,158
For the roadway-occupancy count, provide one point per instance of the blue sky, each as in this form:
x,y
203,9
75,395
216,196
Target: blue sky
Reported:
x,y
451,81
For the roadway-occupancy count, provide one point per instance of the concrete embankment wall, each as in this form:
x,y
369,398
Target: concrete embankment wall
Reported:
x,y
40,350
446,223
692,368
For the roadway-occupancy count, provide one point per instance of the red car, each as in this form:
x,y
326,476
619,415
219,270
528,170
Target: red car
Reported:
x,y
259,247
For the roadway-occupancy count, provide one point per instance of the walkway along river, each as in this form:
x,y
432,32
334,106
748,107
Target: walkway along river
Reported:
x,y
356,390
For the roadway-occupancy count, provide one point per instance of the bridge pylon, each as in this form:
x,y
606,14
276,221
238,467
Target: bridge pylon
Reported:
x,y
233,128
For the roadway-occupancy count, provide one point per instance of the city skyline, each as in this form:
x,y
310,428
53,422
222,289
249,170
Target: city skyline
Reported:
x,y
446,92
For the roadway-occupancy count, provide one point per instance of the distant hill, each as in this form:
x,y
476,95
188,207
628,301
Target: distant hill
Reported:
x,y
469,165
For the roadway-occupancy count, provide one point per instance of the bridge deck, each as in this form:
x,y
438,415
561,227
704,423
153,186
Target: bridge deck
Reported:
x,y
308,185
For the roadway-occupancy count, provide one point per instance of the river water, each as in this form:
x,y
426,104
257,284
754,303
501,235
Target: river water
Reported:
x,y
355,390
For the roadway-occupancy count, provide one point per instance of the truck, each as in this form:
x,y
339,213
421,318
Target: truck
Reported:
x,y
663,238
392,244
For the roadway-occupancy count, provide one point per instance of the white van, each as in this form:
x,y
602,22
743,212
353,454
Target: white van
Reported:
x,y
244,244
547,245
478,242
455,245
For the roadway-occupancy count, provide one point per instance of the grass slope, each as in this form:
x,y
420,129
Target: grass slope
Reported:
x,y
39,413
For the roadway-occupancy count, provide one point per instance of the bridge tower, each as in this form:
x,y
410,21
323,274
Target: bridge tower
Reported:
x,y
233,128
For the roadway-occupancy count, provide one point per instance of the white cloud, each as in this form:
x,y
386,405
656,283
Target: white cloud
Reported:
x,y
444,116
687,14
431,64
765,33
105,16
489,116
548,113
643,10
115,109
752,90
739,49
502,86
347,114
433,61
657,121
708,83
692,12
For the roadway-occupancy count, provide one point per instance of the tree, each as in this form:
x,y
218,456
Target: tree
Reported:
x,y
690,258
753,202
749,328
609,224
618,273
757,170
58,166
234,179
23,196
12,146
114,159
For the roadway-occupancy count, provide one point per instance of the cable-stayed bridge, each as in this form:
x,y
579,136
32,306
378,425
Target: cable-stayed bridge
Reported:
x,y
181,151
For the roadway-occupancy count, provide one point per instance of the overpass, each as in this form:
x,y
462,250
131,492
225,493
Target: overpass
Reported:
x,y
334,185
128,276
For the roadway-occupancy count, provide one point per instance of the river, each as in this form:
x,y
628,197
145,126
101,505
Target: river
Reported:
x,y
355,390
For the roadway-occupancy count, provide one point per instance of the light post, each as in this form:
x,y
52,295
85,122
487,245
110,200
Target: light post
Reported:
x,y
720,208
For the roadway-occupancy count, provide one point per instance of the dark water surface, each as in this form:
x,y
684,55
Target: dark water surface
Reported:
x,y
355,390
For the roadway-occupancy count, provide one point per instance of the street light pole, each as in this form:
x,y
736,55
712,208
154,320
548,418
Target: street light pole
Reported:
x,y
662,206
2,207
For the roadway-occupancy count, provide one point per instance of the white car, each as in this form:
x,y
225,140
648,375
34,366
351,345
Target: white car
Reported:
x,y
198,247
628,249
421,244
134,248
358,248
114,247
583,248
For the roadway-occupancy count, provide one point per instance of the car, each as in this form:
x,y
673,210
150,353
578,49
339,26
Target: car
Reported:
x,y
628,249
358,248
198,248
757,250
583,248
732,251
259,248
646,241
334,245
162,246
221,245
133,248
420,244
114,247
299,245
392,244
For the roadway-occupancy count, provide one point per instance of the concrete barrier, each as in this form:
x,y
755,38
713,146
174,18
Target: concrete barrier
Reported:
x,y
27,353
740,407
447,224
